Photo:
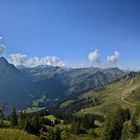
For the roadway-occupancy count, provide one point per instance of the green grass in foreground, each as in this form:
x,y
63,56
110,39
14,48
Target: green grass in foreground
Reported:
x,y
15,134
80,137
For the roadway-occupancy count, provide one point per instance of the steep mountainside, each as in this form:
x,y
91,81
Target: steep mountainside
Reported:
x,y
15,88
20,86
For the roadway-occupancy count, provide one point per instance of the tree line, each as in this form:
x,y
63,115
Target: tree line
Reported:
x,y
117,124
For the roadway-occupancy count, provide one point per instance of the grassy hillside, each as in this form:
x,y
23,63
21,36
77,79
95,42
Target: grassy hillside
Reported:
x,y
125,93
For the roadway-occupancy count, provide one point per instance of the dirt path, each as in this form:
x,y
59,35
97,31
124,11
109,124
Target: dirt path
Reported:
x,y
123,99
124,94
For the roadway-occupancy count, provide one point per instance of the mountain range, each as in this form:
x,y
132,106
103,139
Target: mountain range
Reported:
x,y
20,86
124,92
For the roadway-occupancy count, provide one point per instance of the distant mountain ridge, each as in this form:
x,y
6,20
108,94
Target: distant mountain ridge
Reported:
x,y
19,86
125,93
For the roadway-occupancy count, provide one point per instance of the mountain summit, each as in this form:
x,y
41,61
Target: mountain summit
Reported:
x,y
20,86
3,61
6,67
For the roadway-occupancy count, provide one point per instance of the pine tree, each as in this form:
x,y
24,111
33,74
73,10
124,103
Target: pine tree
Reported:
x,y
36,125
21,120
75,125
126,115
127,132
108,126
57,134
113,125
27,125
134,127
14,117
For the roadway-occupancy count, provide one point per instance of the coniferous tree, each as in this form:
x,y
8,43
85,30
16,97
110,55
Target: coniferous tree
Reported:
x,y
36,125
113,125
57,134
134,126
27,125
108,126
14,117
21,119
75,127
126,115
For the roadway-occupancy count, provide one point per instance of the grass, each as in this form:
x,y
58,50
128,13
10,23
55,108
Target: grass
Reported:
x,y
15,134
135,95
8,133
112,96
51,118
80,137
66,103
5,124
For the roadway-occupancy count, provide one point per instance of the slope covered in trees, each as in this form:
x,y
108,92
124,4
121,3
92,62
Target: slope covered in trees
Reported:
x,y
116,124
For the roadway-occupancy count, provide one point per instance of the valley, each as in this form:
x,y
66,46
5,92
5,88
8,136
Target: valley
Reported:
x,y
43,86
69,69
67,104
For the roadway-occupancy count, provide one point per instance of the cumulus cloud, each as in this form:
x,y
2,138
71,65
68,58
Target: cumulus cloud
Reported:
x,y
113,59
94,56
2,47
20,59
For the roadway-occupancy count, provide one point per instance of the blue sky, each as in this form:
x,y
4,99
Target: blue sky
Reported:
x,y
72,29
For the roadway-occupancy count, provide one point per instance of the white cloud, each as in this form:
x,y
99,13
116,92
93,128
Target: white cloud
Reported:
x,y
113,59
130,68
2,47
20,59
94,56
